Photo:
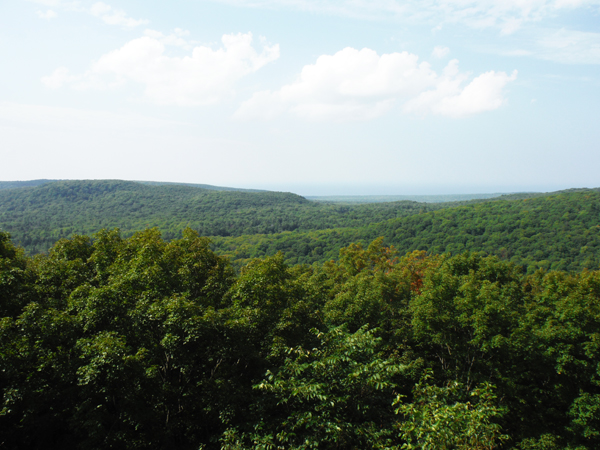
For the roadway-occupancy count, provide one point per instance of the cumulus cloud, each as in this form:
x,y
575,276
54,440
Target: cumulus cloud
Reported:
x,y
483,93
113,16
203,77
49,14
360,85
352,84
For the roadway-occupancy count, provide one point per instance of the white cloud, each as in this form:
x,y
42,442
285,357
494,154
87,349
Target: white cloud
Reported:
x,y
440,52
204,77
360,85
49,14
483,93
113,16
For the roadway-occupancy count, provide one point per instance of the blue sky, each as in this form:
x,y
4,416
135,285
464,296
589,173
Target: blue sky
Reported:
x,y
316,97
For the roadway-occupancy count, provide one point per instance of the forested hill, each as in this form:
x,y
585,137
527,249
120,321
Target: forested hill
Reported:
x,y
33,183
21,184
37,217
560,231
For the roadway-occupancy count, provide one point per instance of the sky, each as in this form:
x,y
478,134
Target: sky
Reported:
x,y
316,97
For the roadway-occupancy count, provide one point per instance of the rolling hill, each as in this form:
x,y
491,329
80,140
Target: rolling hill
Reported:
x,y
555,231
39,215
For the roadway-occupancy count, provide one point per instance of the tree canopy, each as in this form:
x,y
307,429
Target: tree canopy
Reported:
x,y
141,342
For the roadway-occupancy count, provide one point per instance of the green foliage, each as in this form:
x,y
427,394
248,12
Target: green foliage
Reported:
x,y
585,412
466,312
558,232
118,344
336,395
14,278
39,216
142,342
439,418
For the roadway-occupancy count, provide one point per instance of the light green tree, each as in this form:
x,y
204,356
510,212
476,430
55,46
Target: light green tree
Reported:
x,y
441,418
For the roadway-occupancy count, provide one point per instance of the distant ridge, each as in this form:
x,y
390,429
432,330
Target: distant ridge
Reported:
x,y
395,198
35,183
202,186
442,198
556,231
20,184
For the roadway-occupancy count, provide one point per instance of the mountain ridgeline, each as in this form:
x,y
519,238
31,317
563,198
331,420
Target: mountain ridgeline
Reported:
x,y
554,231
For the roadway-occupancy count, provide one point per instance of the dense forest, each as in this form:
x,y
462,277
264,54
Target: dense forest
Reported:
x,y
560,231
143,343
553,231
38,216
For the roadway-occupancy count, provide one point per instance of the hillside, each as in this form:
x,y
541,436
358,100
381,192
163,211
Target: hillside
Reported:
x,y
38,216
34,183
22,184
560,231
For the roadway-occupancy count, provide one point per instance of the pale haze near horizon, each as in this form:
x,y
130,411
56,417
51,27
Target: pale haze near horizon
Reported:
x,y
314,97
